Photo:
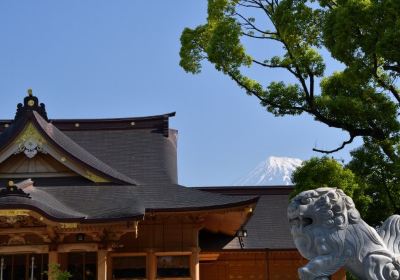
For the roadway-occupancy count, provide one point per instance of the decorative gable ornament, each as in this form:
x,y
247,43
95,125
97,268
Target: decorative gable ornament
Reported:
x,y
31,103
31,147
30,142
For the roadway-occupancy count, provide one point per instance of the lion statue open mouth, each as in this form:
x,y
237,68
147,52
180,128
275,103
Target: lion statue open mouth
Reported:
x,y
327,230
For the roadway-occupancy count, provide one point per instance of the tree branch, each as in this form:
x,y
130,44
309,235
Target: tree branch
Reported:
x,y
261,98
307,81
395,68
248,6
337,149
247,22
382,83
275,66
260,37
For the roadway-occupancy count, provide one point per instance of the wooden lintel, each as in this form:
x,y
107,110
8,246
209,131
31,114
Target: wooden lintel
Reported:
x,y
209,256
27,230
245,208
86,229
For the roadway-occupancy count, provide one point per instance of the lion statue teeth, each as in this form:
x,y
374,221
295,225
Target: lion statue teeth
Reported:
x,y
328,231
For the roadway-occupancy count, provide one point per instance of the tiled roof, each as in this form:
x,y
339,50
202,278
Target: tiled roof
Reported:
x,y
109,202
127,201
142,154
43,203
268,228
63,142
145,151
66,143
99,202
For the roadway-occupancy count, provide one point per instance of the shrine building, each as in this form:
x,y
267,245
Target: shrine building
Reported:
x,y
100,197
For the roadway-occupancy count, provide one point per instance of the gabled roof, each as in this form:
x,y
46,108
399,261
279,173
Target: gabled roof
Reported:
x,y
142,148
121,197
36,116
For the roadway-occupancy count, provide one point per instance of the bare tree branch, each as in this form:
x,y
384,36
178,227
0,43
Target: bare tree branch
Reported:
x,y
249,23
337,149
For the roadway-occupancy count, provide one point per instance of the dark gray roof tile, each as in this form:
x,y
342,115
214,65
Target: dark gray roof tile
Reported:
x,y
41,202
268,228
148,157
76,151
119,201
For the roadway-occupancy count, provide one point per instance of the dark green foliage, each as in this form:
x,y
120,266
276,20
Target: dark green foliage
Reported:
x,y
327,172
381,180
362,34
323,172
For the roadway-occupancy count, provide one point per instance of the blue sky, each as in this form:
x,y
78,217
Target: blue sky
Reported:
x,y
95,58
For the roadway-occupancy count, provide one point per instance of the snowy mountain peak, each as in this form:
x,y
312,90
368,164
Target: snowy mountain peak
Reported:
x,y
273,171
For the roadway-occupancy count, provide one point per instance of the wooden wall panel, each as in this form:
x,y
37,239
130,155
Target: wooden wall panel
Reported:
x,y
284,264
265,265
235,266
160,237
213,271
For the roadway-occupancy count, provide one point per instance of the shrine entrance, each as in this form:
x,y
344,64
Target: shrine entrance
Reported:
x,y
81,265
23,267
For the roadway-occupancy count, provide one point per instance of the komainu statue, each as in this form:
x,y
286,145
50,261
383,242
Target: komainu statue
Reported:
x,y
328,231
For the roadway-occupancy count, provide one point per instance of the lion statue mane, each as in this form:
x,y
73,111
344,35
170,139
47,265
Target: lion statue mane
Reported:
x,y
328,231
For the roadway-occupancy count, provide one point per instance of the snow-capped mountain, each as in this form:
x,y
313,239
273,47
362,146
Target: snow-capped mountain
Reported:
x,y
273,171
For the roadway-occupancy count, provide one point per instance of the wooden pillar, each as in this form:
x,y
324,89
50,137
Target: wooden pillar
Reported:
x,y
151,265
102,261
109,267
195,264
53,260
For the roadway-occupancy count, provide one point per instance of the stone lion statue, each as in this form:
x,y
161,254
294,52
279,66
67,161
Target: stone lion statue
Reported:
x,y
328,231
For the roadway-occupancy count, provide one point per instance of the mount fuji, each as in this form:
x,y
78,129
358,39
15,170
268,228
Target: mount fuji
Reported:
x,y
272,171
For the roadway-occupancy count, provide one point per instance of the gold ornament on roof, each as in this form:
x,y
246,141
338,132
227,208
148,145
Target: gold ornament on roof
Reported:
x,y
68,225
14,212
94,178
29,92
30,142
